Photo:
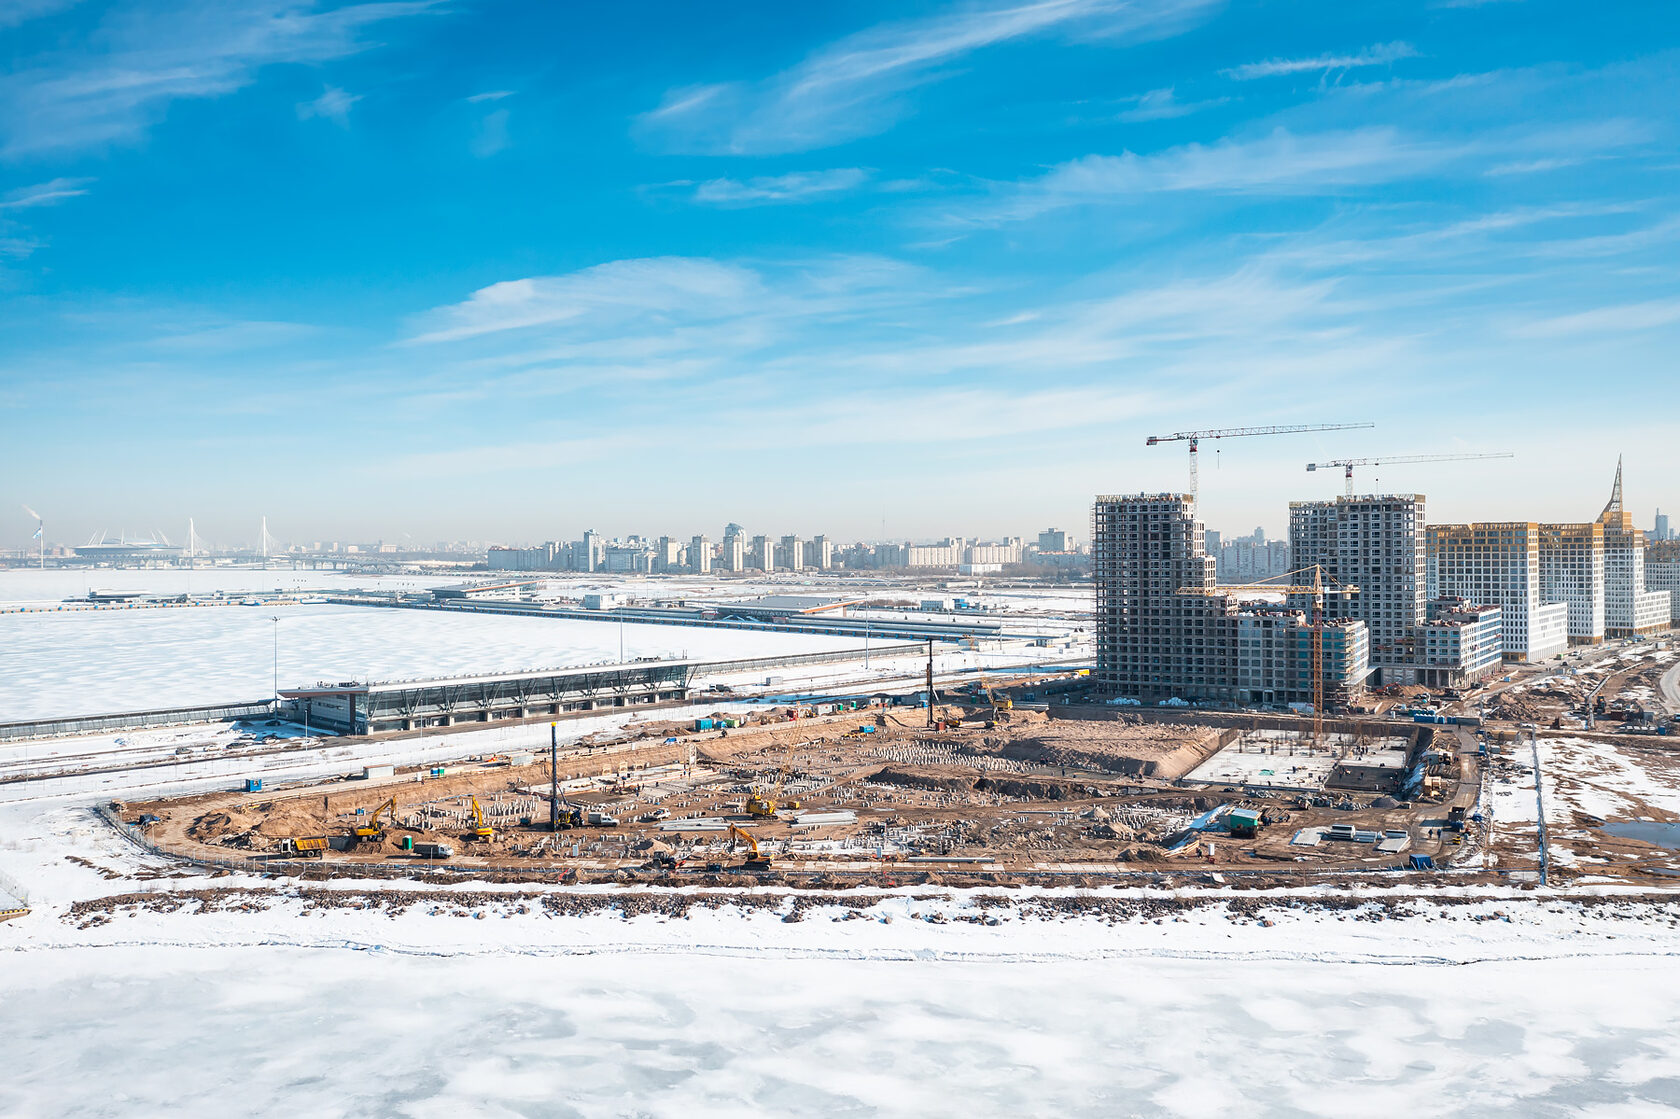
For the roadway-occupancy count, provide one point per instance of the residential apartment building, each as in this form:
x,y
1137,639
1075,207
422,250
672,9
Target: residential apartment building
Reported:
x,y
1572,572
1662,573
1460,644
790,553
1498,564
1377,544
1164,631
1629,609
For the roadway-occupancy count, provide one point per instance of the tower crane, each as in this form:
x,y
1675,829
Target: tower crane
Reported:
x,y
1347,464
1317,589
1194,438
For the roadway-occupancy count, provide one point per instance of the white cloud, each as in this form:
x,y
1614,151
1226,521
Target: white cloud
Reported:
x,y
43,194
120,82
1163,104
489,95
615,291
854,87
1383,54
333,104
796,186
1627,318
1279,163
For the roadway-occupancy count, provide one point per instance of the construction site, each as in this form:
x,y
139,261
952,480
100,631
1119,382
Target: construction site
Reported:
x,y
990,788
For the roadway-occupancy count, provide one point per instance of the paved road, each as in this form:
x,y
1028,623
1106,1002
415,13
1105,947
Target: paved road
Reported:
x,y
1671,689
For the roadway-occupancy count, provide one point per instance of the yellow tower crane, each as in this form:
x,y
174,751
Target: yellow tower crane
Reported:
x,y
1194,438
1347,464
1317,589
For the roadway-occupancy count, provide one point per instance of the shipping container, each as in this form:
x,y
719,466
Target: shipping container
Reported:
x,y
375,771
253,784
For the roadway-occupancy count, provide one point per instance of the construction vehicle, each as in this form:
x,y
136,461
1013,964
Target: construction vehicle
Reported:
x,y
766,806
374,829
313,846
997,705
1347,464
1194,438
754,860
481,825
433,850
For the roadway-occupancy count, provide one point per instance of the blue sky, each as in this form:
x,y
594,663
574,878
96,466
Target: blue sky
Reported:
x,y
507,271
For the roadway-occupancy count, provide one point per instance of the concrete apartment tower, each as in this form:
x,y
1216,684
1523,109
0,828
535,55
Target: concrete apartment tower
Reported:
x,y
700,556
1629,609
792,553
1378,544
1155,643
1498,563
1572,572
1144,548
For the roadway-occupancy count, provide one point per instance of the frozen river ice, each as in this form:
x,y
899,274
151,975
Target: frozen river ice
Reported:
x,y
289,1032
90,662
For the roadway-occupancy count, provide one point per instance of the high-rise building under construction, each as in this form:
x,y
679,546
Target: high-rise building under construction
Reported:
x,y
1164,631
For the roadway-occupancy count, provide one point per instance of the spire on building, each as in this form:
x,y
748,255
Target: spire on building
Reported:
x,y
1615,505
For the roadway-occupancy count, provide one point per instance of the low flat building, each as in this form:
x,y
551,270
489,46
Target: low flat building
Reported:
x,y
376,708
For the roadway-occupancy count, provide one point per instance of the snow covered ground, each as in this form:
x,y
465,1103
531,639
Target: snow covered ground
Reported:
x,y
129,660
286,1032
137,988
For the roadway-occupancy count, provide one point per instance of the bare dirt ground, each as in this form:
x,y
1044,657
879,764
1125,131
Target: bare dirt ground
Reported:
x,y
861,794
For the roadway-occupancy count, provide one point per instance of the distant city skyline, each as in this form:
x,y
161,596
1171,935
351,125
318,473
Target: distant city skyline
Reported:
x,y
880,270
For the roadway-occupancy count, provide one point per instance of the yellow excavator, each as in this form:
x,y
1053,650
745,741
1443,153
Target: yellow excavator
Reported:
x,y
374,829
759,805
754,860
998,704
481,825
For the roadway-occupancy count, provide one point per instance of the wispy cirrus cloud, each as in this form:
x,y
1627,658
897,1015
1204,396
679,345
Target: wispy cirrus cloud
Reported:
x,y
16,12
1163,104
1284,162
855,87
1281,162
632,306
49,193
333,104
117,83
1383,54
1623,319
796,186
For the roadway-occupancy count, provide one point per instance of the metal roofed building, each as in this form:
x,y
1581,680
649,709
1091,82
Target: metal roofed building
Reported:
x,y
376,708
781,606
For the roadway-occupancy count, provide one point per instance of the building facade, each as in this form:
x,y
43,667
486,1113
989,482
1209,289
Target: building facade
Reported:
x,y
1498,564
1377,544
1461,644
1629,609
1572,572
1164,631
